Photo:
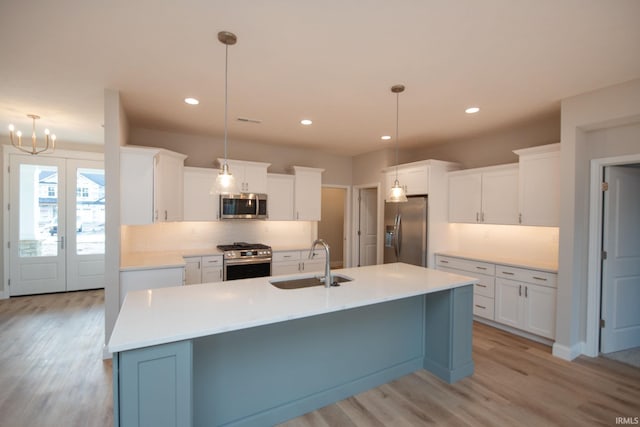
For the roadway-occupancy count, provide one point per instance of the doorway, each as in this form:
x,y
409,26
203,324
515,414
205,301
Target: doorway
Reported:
x,y
56,224
367,226
600,276
620,283
333,226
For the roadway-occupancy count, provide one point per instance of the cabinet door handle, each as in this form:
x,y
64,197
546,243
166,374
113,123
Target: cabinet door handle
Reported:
x,y
508,273
520,290
481,268
482,307
540,278
526,294
482,286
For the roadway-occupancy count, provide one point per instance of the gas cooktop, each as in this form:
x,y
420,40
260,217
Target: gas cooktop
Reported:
x,y
237,246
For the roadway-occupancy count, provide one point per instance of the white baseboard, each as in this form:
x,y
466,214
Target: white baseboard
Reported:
x,y
568,353
4,295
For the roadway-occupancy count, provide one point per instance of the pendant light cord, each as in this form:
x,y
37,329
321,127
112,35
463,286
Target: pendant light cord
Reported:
x,y
226,89
397,121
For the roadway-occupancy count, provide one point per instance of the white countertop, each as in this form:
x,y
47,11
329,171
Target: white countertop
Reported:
x,y
162,259
551,267
159,316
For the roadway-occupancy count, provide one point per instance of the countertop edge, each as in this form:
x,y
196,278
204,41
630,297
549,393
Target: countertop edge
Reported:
x,y
532,265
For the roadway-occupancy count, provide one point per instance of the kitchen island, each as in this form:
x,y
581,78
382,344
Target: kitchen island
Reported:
x,y
244,353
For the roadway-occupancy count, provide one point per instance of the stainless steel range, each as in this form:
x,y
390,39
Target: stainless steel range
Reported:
x,y
243,260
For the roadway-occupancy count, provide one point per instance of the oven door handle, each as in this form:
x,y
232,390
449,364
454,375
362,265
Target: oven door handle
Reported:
x,y
248,261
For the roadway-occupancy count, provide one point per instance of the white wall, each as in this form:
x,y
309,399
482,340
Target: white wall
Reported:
x,y
115,135
606,111
204,151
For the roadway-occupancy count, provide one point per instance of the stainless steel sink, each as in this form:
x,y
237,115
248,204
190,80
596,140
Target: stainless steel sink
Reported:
x,y
307,281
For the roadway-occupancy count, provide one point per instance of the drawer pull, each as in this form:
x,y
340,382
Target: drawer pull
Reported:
x,y
480,306
444,261
482,286
508,273
481,268
540,278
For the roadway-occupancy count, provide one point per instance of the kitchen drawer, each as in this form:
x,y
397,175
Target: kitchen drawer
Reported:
x,y
212,261
466,265
285,256
537,277
483,306
486,287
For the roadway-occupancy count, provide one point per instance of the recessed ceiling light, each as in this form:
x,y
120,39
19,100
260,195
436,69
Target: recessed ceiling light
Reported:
x,y
191,101
472,110
385,138
305,122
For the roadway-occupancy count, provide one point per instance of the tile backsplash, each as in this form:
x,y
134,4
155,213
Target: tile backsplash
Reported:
x,y
170,236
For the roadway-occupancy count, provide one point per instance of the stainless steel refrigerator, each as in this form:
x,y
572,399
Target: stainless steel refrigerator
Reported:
x,y
405,237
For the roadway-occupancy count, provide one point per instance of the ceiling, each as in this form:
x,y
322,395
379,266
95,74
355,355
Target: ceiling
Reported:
x,y
332,61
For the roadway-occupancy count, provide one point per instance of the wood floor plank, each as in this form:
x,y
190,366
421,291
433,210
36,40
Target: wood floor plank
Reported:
x,y
52,374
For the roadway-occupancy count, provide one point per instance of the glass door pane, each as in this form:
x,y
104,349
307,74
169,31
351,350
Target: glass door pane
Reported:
x,y
89,227
38,221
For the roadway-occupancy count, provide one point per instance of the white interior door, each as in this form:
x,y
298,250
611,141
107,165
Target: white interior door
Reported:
x,y
37,252
368,231
85,224
621,268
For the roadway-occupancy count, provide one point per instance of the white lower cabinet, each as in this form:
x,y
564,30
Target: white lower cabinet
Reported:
x,y
521,298
526,306
291,262
152,278
203,269
483,292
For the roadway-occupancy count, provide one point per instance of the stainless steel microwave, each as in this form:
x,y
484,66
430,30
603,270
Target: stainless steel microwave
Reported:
x,y
243,206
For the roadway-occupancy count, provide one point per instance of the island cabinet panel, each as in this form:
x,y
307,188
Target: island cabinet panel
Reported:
x,y
448,333
153,385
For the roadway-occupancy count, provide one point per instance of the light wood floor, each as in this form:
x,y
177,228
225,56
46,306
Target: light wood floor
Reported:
x,y
51,368
52,374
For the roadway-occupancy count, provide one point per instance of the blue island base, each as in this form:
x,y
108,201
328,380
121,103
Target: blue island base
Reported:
x,y
268,374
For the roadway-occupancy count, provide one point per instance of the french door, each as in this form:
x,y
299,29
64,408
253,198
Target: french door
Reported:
x,y
56,224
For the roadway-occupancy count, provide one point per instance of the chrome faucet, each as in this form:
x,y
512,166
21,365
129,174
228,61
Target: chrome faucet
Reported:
x,y
327,268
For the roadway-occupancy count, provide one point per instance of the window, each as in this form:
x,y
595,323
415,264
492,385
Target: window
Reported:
x,y
82,192
51,191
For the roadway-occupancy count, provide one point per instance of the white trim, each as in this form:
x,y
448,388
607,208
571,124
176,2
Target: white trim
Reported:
x,y
106,354
60,154
591,346
568,353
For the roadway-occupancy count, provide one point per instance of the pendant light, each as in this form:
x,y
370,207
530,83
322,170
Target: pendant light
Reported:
x,y
225,182
397,193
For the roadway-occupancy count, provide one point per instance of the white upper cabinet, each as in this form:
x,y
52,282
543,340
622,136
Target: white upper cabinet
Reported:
x,y
199,203
307,193
251,177
151,182
280,189
540,185
414,179
484,195
465,197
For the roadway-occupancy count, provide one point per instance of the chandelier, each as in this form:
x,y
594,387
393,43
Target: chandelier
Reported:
x,y
49,143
